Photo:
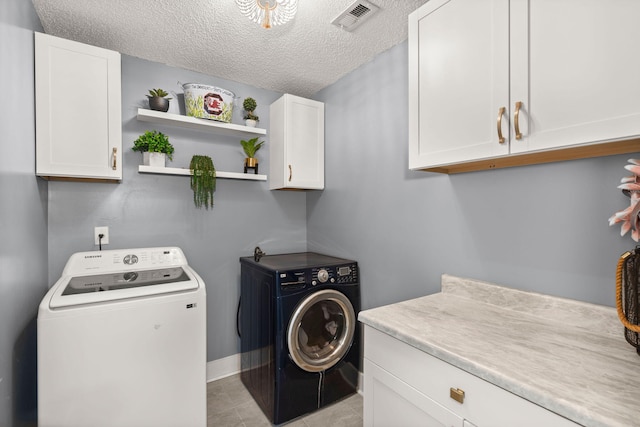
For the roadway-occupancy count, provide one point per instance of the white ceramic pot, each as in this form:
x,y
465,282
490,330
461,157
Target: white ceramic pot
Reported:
x,y
157,160
250,123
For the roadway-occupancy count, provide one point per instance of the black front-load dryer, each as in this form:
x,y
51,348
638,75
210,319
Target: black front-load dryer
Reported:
x,y
300,342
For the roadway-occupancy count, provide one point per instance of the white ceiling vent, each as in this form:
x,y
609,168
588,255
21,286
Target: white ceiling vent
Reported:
x,y
355,15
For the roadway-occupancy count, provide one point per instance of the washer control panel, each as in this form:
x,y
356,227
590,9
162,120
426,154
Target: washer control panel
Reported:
x,y
317,276
341,274
97,262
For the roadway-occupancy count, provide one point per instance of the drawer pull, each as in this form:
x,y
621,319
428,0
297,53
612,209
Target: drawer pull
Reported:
x,y
516,122
290,173
457,394
500,114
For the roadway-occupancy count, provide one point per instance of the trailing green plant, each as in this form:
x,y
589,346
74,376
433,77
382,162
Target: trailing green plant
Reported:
x,y
154,142
160,93
251,146
203,181
250,106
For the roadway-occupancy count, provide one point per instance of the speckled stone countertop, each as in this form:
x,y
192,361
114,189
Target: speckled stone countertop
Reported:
x,y
567,356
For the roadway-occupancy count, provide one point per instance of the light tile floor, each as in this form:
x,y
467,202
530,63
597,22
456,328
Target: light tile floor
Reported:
x,y
229,404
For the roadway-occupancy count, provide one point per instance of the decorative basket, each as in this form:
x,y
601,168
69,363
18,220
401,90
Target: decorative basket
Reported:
x,y
208,102
628,296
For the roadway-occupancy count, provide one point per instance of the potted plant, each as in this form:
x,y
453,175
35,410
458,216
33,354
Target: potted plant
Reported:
x,y
155,148
250,148
158,100
203,181
250,106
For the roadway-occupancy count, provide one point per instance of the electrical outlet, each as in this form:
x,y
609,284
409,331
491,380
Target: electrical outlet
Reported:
x,y
105,235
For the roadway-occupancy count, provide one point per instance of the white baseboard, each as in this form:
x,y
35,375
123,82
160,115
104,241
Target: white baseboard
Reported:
x,y
230,365
221,368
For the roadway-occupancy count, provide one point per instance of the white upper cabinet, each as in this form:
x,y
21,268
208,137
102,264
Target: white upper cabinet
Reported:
x,y
458,80
296,144
78,110
496,83
575,71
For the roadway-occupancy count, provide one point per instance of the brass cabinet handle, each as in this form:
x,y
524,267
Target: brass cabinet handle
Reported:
x,y
516,123
290,173
500,114
115,158
456,394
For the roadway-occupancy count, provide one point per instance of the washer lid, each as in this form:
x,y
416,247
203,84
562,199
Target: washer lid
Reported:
x,y
78,290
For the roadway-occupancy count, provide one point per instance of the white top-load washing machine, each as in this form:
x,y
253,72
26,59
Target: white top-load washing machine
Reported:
x,y
122,342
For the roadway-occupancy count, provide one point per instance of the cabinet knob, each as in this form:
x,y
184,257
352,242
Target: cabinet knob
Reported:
x,y
500,114
456,394
115,158
516,123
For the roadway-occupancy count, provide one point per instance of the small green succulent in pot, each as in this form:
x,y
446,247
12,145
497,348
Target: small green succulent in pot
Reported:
x,y
161,93
249,105
158,100
154,142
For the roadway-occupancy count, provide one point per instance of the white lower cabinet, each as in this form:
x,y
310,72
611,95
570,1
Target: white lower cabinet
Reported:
x,y
404,386
392,400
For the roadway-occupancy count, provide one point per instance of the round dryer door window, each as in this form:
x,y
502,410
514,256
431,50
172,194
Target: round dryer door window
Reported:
x,y
321,330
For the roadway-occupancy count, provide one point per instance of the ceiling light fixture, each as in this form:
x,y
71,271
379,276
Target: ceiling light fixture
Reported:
x,y
268,12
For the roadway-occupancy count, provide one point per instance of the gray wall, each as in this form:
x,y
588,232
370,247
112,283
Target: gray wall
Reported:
x,y
23,214
157,210
541,228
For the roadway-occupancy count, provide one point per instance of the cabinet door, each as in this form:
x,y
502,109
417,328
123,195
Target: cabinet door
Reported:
x,y
296,145
388,401
575,68
78,112
458,81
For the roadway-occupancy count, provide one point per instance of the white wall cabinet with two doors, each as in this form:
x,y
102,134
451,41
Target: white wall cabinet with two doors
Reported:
x,y
522,81
78,110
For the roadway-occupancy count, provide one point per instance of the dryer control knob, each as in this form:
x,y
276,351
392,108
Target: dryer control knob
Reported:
x,y
323,275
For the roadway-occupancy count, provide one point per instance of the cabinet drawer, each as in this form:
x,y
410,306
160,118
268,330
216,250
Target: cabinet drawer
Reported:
x,y
484,404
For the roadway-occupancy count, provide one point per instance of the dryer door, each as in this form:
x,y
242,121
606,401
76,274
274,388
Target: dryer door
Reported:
x,y
321,330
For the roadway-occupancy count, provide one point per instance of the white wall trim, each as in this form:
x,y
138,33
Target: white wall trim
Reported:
x,y
220,368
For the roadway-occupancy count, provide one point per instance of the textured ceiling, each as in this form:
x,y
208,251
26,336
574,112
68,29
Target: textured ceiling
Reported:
x,y
214,38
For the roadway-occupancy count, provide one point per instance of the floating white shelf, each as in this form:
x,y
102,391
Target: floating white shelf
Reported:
x,y
187,172
205,125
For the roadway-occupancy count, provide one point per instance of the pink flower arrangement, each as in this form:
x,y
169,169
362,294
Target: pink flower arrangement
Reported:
x,y
630,217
